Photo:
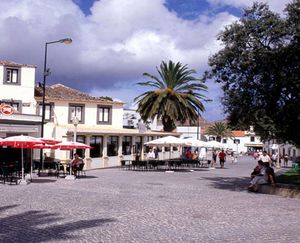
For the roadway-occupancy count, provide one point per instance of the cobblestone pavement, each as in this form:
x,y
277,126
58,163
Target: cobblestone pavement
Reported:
x,y
114,205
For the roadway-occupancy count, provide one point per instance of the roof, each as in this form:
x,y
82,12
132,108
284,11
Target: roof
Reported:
x,y
238,133
14,64
65,93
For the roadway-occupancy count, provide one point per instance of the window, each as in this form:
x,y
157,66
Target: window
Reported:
x,y
104,114
76,110
12,76
16,104
80,139
252,139
112,145
126,145
236,141
96,142
138,144
224,140
48,111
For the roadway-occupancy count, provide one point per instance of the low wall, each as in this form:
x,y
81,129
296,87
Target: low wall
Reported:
x,y
283,190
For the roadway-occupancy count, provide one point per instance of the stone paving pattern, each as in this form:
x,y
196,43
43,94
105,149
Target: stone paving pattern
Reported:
x,y
113,205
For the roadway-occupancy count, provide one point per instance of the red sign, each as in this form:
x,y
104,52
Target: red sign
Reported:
x,y
6,110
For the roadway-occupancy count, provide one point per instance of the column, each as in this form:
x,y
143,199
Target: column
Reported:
x,y
132,146
144,140
104,157
87,151
120,148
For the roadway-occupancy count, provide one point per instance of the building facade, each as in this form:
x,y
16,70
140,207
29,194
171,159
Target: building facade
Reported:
x,y
17,104
100,125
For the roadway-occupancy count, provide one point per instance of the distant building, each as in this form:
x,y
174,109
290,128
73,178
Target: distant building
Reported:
x,y
241,141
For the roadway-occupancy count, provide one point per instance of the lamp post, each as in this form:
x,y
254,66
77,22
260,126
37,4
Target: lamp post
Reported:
x,y
75,122
45,74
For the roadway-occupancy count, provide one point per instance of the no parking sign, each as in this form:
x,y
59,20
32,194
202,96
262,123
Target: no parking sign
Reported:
x,y
6,110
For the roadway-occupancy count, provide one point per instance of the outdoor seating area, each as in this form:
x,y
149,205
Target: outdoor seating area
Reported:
x,y
163,165
10,172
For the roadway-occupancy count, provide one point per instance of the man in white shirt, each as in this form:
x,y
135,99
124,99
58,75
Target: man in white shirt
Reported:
x,y
151,154
265,158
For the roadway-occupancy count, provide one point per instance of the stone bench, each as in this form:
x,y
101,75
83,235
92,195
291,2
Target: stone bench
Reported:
x,y
283,190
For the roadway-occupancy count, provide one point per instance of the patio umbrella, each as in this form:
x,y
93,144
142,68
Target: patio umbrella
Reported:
x,y
35,146
70,146
167,141
50,141
214,144
194,142
21,142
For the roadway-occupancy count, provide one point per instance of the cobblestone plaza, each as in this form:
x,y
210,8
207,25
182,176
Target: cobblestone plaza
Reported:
x,y
113,205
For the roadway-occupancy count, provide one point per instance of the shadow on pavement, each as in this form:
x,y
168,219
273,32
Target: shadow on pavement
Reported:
x,y
33,226
39,180
229,183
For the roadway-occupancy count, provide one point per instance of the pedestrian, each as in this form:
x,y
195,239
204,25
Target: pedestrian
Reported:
x,y
286,160
274,158
265,157
214,158
188,154
156,153
150,154
222,158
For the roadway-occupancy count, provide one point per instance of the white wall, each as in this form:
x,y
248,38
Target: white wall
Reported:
x,y
23,92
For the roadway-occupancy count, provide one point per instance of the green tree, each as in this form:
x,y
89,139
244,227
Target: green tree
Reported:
x,y
219,130
259,72
176,95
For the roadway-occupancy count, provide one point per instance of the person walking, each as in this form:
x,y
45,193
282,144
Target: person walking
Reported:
x,y
222,158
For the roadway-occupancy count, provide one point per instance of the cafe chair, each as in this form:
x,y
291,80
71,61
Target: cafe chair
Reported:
x,y
81,170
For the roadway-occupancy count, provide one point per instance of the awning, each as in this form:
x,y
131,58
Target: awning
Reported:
x,y
254,145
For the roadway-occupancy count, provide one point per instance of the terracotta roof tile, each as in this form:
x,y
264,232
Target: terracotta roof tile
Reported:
x,y
14,64
62,92
238,133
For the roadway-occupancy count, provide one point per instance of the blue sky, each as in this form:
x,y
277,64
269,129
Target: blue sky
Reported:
x,y
115,41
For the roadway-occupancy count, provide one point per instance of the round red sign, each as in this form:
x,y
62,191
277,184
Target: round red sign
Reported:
x,y
6,110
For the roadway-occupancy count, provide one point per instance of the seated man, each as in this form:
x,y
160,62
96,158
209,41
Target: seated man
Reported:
x,y
262,174
75,163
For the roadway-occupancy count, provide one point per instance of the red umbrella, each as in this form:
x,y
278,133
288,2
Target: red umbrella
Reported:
x,y
50,141
21,142
71,145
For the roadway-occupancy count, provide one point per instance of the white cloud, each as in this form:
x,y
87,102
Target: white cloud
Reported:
x,y
112,47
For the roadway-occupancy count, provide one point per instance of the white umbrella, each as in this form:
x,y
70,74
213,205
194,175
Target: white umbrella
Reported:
x,y
194,142
214,144
167,141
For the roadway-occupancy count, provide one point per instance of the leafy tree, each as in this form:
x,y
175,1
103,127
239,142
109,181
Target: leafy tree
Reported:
x,y
259,72
220,130
176,95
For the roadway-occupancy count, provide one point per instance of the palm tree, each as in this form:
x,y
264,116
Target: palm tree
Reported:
x,y
176,96
220,130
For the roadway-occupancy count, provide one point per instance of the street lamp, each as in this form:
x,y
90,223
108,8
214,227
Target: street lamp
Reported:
x,y
45,74
75,122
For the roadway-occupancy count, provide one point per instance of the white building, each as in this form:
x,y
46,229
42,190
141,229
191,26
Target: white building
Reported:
x,y
241,141
100,120
17,83
100,125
